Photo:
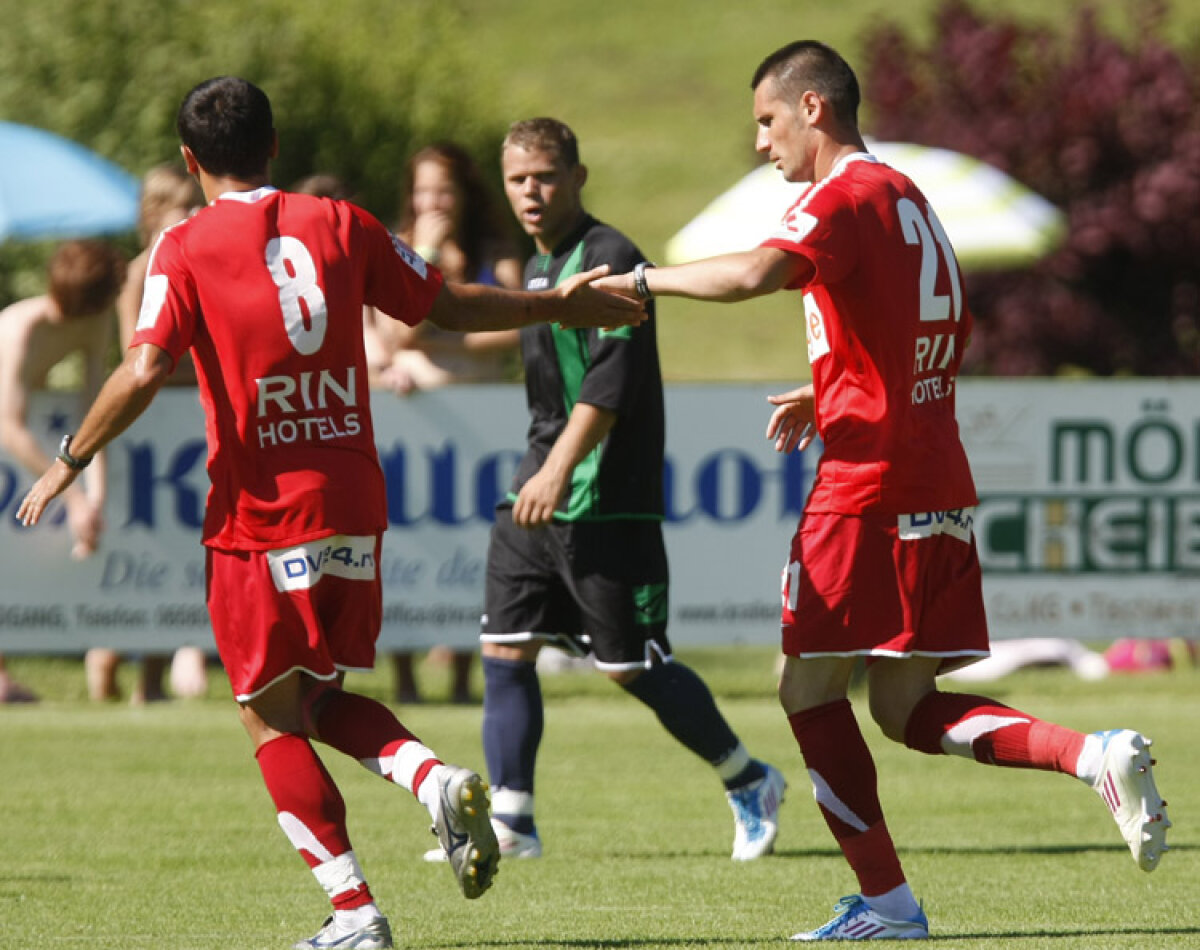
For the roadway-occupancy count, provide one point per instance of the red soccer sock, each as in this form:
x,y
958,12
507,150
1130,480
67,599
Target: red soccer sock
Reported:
x,y
368,731
312,814
844,779
989,732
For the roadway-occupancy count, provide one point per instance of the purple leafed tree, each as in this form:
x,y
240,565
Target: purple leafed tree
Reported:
x,y
1109,130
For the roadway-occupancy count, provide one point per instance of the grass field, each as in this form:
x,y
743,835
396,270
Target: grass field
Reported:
x,y
149,827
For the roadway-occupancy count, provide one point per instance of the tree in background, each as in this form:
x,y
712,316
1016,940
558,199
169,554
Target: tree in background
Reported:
x,y
356,87
1109,131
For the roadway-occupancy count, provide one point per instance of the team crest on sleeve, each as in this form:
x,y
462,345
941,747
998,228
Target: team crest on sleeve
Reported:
x,y
797,225
153,297
410,257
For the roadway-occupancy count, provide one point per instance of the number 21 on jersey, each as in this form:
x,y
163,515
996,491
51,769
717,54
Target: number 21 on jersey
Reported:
x,y
926,231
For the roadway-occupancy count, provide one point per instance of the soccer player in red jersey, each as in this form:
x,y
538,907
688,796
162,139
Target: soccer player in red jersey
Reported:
x,y
883,564
267,290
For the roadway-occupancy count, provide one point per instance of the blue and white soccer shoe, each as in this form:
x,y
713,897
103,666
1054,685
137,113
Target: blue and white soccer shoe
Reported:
x,y
854,920
756,814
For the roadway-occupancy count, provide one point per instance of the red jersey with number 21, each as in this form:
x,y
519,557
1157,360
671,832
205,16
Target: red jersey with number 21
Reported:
x,y
886,327
267,289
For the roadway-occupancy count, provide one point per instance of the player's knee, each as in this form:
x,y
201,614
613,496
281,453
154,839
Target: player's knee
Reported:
x,y
890,713
624,678
521,652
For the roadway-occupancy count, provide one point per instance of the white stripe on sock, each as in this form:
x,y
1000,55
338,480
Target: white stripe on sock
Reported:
x,y
302,838
960,738
831,803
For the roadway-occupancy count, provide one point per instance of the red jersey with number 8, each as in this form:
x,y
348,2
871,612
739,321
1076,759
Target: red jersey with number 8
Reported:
x,y
886,324
267,289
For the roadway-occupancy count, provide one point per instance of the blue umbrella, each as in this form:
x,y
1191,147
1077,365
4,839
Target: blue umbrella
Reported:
x,y
51,187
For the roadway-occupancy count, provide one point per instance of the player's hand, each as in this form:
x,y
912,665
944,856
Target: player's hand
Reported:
x,y
598,307
618,284
791,424
54,482
538,500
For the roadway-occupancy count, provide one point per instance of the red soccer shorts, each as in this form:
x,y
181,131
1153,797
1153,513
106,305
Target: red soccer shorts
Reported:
x,y
314,607
885,585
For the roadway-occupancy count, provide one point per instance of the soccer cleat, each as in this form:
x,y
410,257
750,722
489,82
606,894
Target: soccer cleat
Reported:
x,y
854,920
376,935
465,830
756,814
514,844
1126,783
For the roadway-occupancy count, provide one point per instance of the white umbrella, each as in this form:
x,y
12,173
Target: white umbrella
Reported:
x,y
991,219
51,187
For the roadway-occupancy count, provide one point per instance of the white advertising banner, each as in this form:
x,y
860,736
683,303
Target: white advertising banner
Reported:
x,y
1088,524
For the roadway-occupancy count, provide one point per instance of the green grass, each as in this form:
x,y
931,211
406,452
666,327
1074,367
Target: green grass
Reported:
x,y
149,827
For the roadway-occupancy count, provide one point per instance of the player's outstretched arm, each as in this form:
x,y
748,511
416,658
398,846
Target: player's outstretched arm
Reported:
x,y
726,278
791,424
124,397
468,307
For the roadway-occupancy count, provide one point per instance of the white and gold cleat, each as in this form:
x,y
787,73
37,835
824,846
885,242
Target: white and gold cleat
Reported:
x,y
464,829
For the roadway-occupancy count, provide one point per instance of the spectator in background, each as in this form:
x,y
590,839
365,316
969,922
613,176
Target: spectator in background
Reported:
x,y
449,217
323,185
169,194
72,317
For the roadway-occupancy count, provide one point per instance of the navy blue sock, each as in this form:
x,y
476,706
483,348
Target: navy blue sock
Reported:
x,y
686,709
513,719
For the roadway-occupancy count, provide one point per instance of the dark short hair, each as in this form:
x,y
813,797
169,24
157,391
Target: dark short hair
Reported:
x,y
84,277
227,124
545,135
809,64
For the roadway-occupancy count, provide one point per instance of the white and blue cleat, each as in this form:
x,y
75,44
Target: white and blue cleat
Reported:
x,y
854,920
756,814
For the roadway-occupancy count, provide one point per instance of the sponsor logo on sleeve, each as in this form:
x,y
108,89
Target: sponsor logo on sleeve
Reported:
x,y
410,257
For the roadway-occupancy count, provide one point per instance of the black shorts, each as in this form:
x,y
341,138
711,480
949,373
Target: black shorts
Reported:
x,y
595,586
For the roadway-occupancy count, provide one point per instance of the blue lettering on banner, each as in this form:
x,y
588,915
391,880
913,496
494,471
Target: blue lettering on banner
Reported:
x,y
490,481
144,480
9,480
729,475
446,486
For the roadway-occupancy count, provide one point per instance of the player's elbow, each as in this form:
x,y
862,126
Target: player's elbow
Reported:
x,y
148,368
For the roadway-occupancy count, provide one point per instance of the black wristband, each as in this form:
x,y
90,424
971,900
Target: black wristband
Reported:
x,y
69,460
639,280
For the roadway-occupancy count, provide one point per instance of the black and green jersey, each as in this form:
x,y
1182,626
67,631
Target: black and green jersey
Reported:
x,y
623,476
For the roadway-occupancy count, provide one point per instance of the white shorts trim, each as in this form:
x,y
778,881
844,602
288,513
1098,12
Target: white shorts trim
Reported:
x,y
325,677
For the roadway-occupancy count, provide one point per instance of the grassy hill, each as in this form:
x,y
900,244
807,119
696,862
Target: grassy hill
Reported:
x,y
658,93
